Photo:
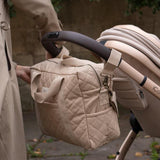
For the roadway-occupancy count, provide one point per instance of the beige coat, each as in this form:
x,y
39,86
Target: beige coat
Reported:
x,y
12,141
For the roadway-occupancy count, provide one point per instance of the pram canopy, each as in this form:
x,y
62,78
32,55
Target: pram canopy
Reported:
x,y
142,51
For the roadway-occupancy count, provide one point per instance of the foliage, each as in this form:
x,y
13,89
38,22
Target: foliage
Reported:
x,y
137,5
154,151
12,11
112,156
33,153
57,4
81,154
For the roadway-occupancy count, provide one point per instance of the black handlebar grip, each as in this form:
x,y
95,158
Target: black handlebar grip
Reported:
x,y
51,47
77,38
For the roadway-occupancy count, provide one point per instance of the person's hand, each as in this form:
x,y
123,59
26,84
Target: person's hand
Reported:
x,y
23,72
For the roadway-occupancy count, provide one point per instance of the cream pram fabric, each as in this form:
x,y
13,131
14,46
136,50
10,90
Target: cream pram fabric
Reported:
x,y
142,51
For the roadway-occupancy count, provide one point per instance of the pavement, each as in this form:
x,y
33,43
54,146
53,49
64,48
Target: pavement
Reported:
x,y
53,149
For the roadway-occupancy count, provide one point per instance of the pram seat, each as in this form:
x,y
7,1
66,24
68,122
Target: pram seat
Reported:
x,y
142,51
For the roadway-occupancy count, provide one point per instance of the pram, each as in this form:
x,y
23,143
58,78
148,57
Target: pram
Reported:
x,y
138,57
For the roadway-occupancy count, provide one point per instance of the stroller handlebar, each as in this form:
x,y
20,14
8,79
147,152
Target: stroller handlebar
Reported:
x,y
49,38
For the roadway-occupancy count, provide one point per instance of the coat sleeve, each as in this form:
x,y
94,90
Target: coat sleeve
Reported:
x,y
42,13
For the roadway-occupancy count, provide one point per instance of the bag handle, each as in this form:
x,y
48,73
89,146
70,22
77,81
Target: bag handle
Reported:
x,y
71,61
74,62
42,96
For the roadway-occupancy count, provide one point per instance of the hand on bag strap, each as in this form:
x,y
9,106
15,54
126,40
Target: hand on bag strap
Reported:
x,y
43,95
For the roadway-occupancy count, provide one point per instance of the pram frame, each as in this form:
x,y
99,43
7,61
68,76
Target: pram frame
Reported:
x,y
135,54
104,53
126,145
99,49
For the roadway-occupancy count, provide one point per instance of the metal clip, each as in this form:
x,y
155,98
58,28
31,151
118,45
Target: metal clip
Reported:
x,y
105,82
4,25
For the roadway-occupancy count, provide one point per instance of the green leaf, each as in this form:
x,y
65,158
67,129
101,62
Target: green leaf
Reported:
x,y
112,156
49,140
137,5
154,152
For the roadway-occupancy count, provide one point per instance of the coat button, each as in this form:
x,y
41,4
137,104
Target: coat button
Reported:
x,y
4,25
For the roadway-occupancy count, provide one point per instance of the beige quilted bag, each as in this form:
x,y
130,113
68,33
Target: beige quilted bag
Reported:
x,y
72,103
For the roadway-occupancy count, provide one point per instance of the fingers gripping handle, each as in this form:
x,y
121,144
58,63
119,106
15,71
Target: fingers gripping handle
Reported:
x,y
49,39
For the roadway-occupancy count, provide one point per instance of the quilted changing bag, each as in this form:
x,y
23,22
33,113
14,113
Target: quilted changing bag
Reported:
x,y
72,103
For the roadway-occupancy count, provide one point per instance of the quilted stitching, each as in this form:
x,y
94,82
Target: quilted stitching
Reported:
x,y
76,115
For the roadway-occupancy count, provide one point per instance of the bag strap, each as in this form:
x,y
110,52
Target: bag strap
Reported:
x,y
44,94
112,63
